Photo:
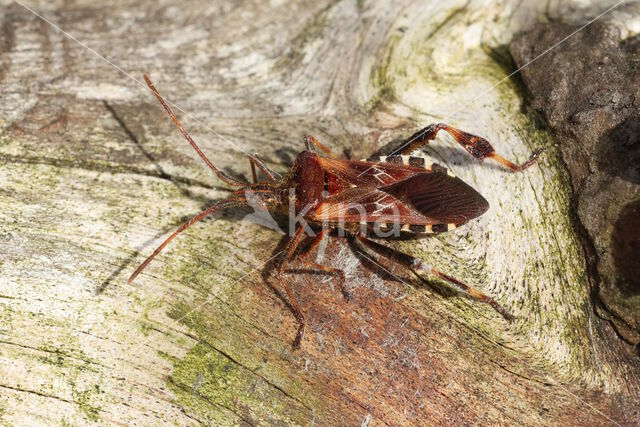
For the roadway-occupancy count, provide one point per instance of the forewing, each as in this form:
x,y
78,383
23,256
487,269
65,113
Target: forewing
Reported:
x,y
369,174
366,205
439,197
398,193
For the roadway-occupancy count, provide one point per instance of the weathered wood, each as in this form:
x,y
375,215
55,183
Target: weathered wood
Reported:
x,y
94,175
593,114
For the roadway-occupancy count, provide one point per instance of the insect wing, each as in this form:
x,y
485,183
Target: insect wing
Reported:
x,y
425,198
369,174
366,205
440,197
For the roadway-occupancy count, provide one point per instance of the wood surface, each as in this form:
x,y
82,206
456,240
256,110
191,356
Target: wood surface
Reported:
x,y
93,175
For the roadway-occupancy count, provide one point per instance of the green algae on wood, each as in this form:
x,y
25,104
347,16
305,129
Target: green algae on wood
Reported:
x,y
206,376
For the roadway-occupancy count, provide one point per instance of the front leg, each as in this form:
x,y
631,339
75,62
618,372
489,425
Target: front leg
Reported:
x,y
477,146
257,162
291,248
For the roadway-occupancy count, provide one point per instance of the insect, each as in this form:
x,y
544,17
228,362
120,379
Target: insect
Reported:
x,y
380,196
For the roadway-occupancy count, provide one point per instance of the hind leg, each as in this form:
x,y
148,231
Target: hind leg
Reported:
x,y
477,146
419,267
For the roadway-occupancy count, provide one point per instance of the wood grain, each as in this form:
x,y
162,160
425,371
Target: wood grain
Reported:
x,y
94,175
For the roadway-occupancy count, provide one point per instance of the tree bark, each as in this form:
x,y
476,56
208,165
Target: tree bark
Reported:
x,y
94,176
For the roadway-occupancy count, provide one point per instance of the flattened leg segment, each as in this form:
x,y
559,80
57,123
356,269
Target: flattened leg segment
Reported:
x,y
257,162
477,146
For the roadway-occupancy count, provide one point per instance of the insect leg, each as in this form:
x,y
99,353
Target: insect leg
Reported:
x,y
314,266
311,141
418,267
319,267
222,204
291,248
477,146
257,162
314,244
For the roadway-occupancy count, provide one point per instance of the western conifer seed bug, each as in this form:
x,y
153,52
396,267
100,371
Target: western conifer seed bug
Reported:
x,y
378,197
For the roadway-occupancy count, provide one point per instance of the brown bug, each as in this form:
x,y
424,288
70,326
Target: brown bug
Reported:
x,y
383,195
